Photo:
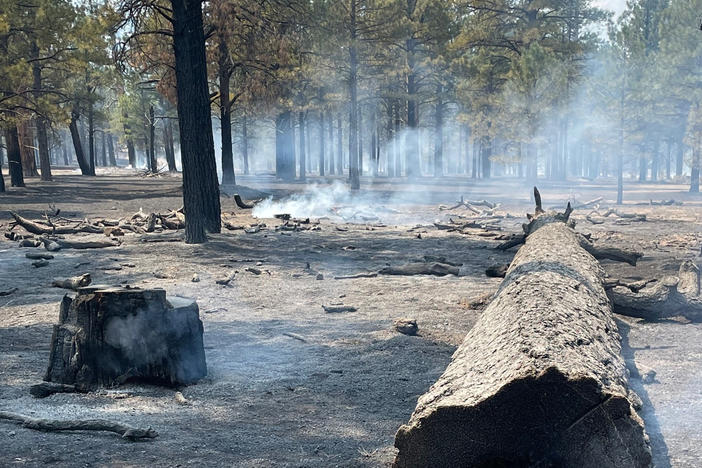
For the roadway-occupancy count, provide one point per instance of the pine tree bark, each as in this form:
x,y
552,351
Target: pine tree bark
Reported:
x,y
360,140
103,149
284,146
26,145
153,164
200,182
330,156
91,138
339,146
412,165
131,153
439,134
64,152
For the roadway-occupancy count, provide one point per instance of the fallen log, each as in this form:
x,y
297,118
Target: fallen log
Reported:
x,y
45,389
241,204
410,269
54,245
36,228
539,380
609,253
73,283
654,300
56,425
39,255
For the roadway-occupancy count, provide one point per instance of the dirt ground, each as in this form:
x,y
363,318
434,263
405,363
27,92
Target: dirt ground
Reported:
x,y
292,386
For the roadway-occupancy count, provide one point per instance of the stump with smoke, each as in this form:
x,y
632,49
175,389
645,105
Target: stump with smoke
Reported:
x,y
539,380
106,336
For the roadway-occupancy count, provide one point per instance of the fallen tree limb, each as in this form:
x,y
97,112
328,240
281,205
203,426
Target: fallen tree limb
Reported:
x,y
539,380
36,228
65,244
45,389
410,269
240,203
73,283
56,425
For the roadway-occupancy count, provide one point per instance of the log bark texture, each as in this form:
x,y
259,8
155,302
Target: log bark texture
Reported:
x,y
107,336
539,380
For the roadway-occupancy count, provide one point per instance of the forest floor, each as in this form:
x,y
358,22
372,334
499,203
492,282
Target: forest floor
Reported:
x,y
291,385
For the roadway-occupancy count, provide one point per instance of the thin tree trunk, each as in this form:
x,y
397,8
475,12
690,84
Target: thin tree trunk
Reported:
x,y
354,177
439,135
360,141
339,146
245,142
64,151
398,145
679,153
26,144
322,139
153,164
91,138
111,150
14,157
103,149
40,122
200,184
330,156
225,113
131,153
285,151
77,145
303,155
412,165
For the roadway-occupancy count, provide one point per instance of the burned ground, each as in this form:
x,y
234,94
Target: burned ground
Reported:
x,y
291,385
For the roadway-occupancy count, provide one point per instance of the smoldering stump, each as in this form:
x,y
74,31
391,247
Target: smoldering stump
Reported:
x,y
106,336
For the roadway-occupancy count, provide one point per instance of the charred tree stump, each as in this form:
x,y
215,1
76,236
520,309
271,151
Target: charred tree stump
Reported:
x,y
540,379
106,336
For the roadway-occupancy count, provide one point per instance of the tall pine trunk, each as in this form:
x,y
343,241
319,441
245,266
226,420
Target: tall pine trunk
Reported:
x,y
322,139
245,142
131,153
26,144
284,146
439,135
330,157
91,138
225,113
40,122
339,146
111,150
169,146
200,184
153,164
14,157
103,149
77,145
354,178
301,140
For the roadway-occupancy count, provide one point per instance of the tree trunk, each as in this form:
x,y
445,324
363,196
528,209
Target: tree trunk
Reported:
x,y
667,159
200,182
339,146
77,146
40,122
284,147
64,152
111,150
153,164
354,178
14,157
245,142
360,141
26,145
91,138
303,155
131,153
108,336
169,146
695,171
322,139
330,156
486,154
225,112
103,149
439,134
397,143
679,152
373,145
643,167
412,160
539,380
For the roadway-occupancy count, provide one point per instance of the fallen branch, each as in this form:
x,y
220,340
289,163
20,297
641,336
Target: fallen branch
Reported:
x,y
338,309
410,269
45,389
358,275
55,425
64,244
36,228
609,253
73,283
240,203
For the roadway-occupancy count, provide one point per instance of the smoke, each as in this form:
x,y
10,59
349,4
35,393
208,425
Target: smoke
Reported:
x,y
335,202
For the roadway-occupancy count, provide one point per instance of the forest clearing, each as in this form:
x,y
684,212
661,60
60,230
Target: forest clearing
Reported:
x,y
288,383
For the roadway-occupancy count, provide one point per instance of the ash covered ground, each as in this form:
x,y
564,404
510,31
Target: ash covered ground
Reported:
x,y
289,384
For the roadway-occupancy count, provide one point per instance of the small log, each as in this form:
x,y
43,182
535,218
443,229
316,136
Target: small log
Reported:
x,y
46,389
358,275
410,269
241,204
338,309
54,245
29,243
38,256
36,228
609,253
40,263
150,222
73,283
7,292
515,241
56,425
539,380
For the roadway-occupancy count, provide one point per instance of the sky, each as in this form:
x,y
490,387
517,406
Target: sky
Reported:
x,y
617,6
